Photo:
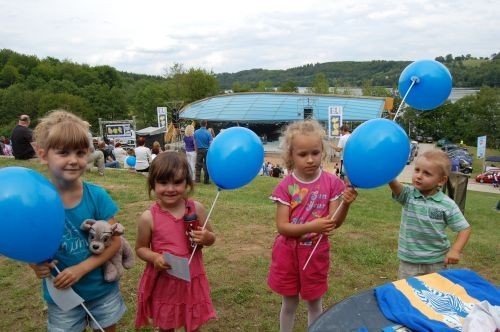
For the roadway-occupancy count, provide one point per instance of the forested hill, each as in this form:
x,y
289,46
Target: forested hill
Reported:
x,y
467,71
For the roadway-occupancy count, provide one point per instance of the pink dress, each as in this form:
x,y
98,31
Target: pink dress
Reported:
x,y
163,300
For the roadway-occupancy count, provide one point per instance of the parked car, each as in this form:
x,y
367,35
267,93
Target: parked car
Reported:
x,y
443,141
419,138
488,176
460,154
429,139
413,151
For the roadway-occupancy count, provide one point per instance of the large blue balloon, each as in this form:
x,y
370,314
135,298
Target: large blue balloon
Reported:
x,y
234,158
375,153
432,87
130,160
31,215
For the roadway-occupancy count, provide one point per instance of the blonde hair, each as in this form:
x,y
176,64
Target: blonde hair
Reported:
x,y
62,129
307,127
438,158
189,130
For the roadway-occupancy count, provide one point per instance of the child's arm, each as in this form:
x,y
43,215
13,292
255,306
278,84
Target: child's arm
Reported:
x,y
453,255
286,228
71,275
396,187
348,196
143,242
204,237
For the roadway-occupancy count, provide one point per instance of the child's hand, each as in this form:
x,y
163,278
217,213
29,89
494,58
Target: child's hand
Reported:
x,y
452,257
43,270
349,195
68,277
159,263
202,236
324,226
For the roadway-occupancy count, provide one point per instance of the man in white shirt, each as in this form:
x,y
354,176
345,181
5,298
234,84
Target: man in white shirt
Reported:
x,y
345,132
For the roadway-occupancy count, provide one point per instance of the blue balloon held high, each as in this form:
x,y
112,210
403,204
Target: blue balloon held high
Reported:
x,y
375,153
234,158
432,86
130,160
32,215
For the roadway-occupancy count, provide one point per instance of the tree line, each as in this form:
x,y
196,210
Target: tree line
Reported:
x,y
33,86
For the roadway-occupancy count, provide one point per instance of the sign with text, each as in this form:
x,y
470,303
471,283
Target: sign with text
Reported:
x,y
481,147
162,117
118,131
334,121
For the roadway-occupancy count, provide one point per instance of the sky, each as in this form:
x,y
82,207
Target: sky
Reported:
x,y
150,36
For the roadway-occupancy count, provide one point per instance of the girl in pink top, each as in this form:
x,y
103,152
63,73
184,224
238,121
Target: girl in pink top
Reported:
x,y
171,225
306,200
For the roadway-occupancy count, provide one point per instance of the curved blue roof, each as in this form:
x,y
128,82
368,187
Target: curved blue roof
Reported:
x,y
280,107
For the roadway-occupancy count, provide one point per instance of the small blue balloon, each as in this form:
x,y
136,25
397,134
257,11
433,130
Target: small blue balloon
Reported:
x,y
32,215
432,86
130,161
234,158
375,153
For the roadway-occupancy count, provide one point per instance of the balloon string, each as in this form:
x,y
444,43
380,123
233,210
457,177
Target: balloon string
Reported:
x,y
413,81
85,308
321,237
205,224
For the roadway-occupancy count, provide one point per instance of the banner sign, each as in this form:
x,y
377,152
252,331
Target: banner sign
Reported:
x,y
334,121
120,131
162,117
481,147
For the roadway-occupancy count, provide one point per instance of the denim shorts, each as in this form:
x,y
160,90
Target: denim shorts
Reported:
x,y
107,310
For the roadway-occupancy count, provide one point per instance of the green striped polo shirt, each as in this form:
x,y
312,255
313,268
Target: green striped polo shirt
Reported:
x,y
422,236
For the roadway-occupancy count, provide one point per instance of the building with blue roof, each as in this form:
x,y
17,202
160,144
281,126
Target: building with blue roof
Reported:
x,y
281,107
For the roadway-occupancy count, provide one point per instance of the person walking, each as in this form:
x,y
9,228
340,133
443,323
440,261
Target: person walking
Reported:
x,y
202,139
346,132
22,139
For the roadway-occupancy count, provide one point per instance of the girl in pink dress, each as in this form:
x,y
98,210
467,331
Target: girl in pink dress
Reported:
x,y
172,225
306,200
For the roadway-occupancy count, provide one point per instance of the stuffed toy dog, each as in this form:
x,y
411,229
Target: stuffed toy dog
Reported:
x,y
100,234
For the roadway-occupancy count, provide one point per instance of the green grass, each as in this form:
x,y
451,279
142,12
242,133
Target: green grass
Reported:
x,y
363,253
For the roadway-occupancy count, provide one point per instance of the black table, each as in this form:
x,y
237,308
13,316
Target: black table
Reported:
x,y
352,314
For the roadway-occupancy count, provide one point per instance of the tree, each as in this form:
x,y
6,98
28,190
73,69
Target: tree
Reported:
x,y
289,86
264,86
320,84
8,76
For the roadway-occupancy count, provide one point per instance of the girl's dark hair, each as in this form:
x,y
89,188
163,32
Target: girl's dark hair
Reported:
x,y
141,141
170,166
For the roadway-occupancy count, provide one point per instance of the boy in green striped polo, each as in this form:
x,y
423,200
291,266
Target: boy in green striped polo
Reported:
x,y
423,246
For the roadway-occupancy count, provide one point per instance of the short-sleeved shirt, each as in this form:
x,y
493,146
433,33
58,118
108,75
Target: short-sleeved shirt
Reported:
x,y
308,200
342,141
21,139
98,205
422,236
202,138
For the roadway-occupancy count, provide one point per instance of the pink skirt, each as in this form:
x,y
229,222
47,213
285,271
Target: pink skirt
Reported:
x,y
169,303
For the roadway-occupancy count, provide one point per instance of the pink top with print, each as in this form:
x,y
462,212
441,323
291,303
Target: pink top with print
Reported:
x,y
308,200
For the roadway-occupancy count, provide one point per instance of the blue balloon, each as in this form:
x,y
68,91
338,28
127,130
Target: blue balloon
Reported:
x,y
234,158
130,161
375,153
432,86
32,215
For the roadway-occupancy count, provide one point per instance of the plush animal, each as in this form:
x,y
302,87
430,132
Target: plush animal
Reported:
x,y
100,234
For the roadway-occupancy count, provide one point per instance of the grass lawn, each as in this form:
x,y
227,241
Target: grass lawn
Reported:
x,y
363,252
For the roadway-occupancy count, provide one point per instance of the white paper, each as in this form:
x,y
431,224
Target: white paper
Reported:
x,y
65,299
179,266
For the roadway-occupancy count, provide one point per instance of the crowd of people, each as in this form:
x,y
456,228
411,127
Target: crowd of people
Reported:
x,y
310,204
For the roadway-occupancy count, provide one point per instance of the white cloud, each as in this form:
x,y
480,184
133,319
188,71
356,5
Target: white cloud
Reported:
x,y
229,36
